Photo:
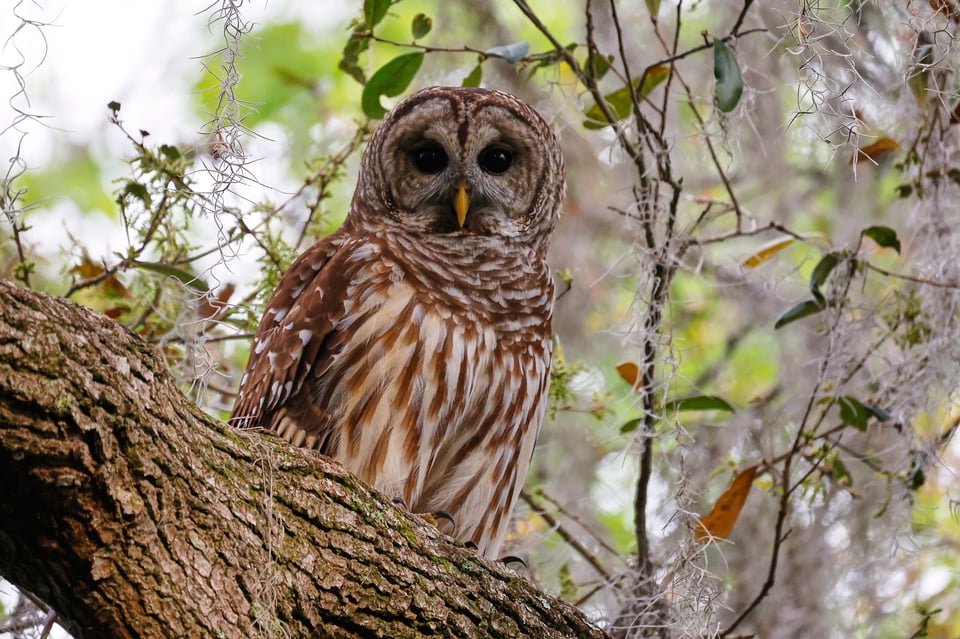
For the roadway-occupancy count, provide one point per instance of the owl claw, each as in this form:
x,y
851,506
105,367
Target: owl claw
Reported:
x,y
442,514
432,518
513,559
506,561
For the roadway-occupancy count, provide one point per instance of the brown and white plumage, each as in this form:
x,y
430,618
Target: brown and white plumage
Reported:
x,y
414,344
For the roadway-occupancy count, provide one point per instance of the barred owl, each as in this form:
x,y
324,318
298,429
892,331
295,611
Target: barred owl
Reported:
x,y
414,344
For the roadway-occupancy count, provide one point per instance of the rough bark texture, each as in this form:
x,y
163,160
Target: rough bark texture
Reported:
x,y
134,514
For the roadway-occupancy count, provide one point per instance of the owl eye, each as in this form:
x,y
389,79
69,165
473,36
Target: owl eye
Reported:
x,y
495,160
430,159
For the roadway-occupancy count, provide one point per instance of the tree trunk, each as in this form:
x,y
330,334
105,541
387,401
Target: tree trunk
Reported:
x,y
134,514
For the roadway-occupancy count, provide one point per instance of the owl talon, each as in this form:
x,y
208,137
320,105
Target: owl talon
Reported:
x,y
513,559
442,514
432,518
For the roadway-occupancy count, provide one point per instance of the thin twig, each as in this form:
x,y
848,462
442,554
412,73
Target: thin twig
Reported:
x,y
573,516
566,535
910,278
770,226
323,177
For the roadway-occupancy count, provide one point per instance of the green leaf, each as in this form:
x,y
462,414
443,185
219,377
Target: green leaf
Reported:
x,y
421,25
915,476
799,311
390,80
699,402
473,79
356,44
820,274
114,106
620,102
878,413
23,270
139,191
172,153
653,6
568,586
354,70
374,11
350,62
884,236
919,76
840,473
598,66
631,425
853,412
512,53
727,73
172,271
904,190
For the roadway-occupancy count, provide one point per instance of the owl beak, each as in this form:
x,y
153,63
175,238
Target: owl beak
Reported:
x,y
461,203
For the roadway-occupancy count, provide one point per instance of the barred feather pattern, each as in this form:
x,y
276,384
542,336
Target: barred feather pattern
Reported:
x,y
418,358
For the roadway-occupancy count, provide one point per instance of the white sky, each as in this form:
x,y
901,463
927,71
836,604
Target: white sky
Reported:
x,y
142,53
145,54
97,51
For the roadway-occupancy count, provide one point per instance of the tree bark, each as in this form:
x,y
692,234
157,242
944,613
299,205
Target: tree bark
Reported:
x,y
134,514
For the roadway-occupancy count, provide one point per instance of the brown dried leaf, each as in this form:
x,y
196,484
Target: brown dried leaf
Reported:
x,y
955,115
719,523
114,287
116,311
945,8
630,373
210,307
878,149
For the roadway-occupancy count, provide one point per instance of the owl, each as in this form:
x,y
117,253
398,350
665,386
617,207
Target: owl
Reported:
x,y
414,345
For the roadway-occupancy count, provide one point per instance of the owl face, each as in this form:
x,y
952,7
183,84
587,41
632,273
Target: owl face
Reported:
x,y
467,163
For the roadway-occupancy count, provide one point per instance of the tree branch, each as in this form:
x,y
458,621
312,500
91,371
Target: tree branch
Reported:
x,y
134,514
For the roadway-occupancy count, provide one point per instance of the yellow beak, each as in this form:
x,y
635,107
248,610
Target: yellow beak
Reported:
x,y
461,202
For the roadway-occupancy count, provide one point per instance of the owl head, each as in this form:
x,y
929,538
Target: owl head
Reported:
x,y
463,165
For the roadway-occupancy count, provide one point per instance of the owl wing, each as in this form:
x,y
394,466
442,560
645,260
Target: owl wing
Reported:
x,y
293,342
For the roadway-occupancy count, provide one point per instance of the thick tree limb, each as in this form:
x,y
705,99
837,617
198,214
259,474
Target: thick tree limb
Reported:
x,y
136,515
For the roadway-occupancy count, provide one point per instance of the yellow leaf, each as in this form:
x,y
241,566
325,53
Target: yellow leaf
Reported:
x,y
630,373
567,77
620,102
768,251
719,523
876,150
87,268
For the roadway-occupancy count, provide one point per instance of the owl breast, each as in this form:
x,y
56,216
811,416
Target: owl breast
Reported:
x,y
428,385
